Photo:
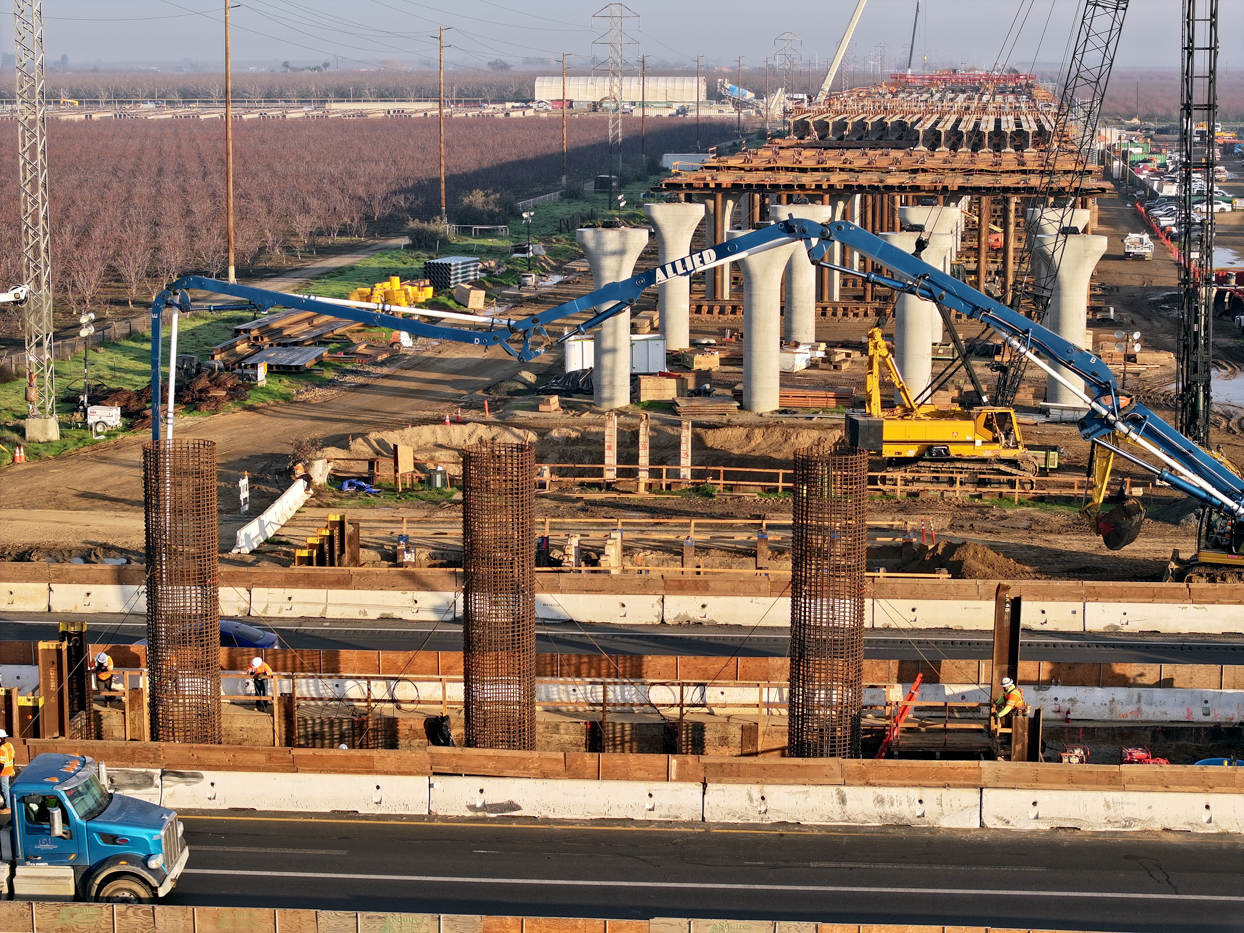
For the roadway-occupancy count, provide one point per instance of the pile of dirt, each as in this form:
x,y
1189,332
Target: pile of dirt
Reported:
x,y
440,442
774,442
967,560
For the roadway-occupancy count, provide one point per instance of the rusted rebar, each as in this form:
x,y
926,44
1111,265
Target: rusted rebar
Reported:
x,y
499,611
183,591
828,550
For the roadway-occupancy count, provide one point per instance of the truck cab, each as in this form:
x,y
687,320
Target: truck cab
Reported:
x,y
70,838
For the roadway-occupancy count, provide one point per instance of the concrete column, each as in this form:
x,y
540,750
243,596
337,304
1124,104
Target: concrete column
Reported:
x,y
675,224
935,218
917,325
1047,221
611,255
1068,311
1008,248
762,295
801,275
983,215
717,281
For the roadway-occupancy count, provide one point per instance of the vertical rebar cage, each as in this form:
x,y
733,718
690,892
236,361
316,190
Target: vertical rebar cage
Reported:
x,y
828,551
498,564
183,591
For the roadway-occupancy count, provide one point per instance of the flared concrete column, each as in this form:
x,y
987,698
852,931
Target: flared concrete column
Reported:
x,y
675,224
942,219
762,332
917,325
1068,311
1047,222
611,255
801,274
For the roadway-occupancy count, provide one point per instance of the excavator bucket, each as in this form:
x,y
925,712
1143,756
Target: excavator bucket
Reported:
x,y
1121,525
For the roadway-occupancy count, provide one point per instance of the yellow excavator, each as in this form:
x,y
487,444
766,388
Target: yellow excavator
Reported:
x,y
916,439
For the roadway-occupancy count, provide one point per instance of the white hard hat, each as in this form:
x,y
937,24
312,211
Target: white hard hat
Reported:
x,y
346,747
1007,682
101,658
256,662
3,734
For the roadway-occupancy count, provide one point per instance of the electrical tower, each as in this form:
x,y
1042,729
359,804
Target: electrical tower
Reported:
x,y
1067,155
615,40
787,57
1198,115
41,423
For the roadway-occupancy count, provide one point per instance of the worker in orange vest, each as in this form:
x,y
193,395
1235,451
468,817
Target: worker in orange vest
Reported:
x,y
261,676
7,757
1011,700
103,675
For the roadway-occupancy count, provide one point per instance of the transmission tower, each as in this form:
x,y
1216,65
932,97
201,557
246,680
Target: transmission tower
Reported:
x,y
1197,117
787,57
41,423
1072,139
615,40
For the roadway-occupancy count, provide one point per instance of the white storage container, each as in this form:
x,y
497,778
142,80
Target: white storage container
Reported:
x,y
647,354
580,354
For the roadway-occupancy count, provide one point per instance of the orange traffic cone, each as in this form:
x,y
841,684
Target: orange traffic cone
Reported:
x,y
19,455
447,417
459,416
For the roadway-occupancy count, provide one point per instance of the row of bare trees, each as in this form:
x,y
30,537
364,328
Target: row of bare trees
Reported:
x,y
137,203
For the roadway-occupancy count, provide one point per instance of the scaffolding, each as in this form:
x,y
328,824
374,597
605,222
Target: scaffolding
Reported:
x,y
183,591
498,588
827,589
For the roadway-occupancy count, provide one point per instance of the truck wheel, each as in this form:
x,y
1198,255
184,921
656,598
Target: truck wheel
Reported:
x,y
126,891
99,429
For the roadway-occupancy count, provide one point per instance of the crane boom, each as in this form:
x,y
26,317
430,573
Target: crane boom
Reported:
x,y
828,84
1171,457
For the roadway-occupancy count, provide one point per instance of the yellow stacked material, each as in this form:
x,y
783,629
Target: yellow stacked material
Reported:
x,y
393,292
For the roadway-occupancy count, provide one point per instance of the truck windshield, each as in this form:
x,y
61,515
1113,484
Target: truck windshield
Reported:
x,y
88,799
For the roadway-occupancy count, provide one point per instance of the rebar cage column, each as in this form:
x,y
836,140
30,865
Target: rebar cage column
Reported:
x,y
183,591
828,551
499,607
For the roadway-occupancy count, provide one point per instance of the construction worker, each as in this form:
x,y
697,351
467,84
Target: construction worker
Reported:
x,y
7,757
261,676
103,675
1011,700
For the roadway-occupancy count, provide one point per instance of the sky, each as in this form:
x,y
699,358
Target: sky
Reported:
x,y
363,33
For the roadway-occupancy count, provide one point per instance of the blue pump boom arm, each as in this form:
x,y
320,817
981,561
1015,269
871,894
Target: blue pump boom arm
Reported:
x,y
1180,462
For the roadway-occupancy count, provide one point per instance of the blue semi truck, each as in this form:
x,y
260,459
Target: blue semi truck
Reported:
x,y
70,838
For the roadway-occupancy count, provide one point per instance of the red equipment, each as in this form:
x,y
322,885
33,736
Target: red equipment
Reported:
x,y
1139,756
903,712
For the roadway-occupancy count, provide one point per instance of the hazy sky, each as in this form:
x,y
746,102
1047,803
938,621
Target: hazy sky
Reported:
x,y
365,32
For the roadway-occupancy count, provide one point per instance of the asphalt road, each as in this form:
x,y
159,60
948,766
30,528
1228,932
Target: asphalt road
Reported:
x,y
686,640
1137,882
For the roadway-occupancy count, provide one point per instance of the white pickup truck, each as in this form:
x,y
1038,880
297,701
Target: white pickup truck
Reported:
x,y
1137,246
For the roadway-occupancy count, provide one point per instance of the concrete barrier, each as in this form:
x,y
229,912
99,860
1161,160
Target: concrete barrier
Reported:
x,y
954,808
24,597
274,516
565,799
727,610
1177,618
973,615
114,597
1106,810
411,605
143,783
632,609
1138,704
314,793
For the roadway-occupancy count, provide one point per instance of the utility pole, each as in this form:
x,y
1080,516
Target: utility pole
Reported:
x,y
565,104
643,106
229,146
698,95
41,423
441,115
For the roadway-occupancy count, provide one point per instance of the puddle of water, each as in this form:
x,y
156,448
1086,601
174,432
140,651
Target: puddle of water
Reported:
x,y
1225,258
1228,391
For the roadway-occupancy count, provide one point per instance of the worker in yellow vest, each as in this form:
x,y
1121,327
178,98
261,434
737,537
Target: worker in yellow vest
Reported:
x,y
103,675
7,757
1011,700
